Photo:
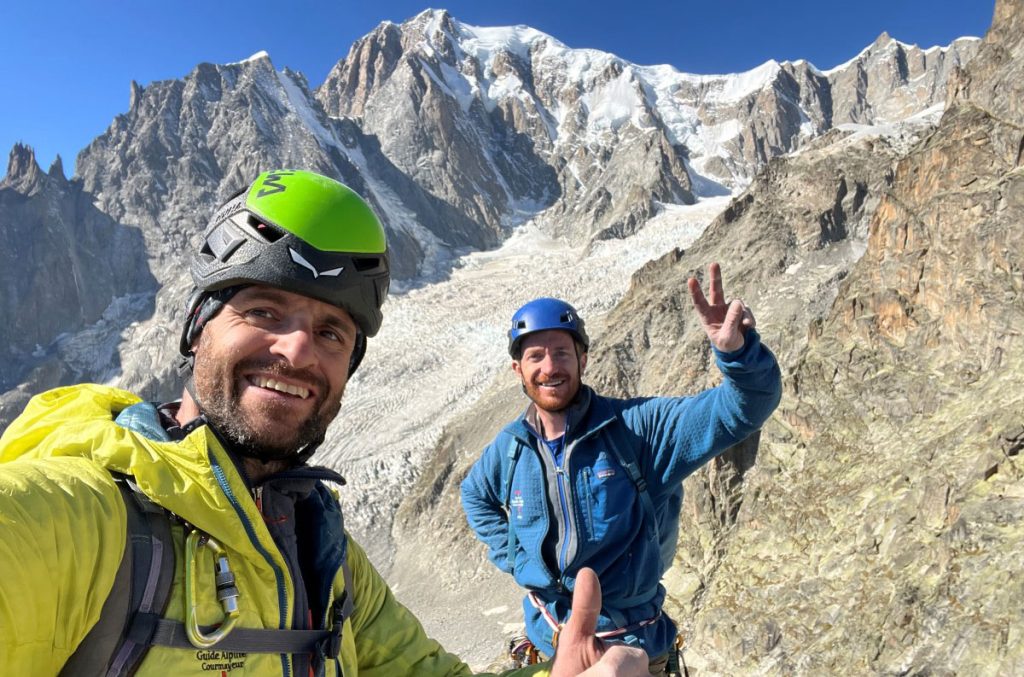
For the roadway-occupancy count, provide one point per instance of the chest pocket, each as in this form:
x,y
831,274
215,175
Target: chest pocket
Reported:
x,y
609,499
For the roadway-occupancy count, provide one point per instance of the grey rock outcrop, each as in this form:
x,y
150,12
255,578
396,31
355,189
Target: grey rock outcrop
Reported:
x,y
891,81
65,263
184,145
875,527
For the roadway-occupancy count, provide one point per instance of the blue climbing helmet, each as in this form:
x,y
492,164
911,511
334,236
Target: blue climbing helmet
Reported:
x,y
543,314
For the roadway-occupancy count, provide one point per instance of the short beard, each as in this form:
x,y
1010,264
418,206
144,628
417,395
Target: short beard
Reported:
x,y
220,402
568,404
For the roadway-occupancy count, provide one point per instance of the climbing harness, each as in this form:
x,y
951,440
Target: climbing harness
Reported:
x,y
556,627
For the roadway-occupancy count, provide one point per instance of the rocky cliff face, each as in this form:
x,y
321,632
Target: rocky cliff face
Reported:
x,y
65,263
873,529
184,145
891,81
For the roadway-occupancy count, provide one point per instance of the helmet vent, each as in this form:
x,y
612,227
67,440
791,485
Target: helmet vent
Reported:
x,y
264,231
363,263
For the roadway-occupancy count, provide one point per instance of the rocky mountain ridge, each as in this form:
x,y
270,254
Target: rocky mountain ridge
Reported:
x,y
457,135
63,255
617,138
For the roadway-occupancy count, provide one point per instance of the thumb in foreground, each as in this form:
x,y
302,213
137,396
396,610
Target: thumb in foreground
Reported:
x,y
580,652
586,606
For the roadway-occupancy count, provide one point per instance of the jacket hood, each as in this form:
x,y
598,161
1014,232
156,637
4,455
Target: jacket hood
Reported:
x,y
194,478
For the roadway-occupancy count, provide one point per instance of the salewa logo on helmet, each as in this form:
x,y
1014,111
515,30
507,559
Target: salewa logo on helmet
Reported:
x,y
272,184
297,258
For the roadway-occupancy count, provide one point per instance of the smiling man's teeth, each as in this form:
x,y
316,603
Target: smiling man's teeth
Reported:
x,y
282,387
551,384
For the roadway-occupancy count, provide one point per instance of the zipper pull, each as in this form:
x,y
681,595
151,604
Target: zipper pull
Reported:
x,y
257,495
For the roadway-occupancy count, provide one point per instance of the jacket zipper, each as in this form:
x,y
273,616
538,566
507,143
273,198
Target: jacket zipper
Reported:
x,y
563,496
589,496
250,530
569,535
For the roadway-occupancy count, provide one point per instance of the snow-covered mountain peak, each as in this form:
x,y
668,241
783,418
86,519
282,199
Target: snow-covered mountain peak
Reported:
x,y
734,87
258,56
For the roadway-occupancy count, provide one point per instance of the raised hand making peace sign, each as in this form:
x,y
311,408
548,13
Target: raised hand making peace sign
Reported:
x,y
724,323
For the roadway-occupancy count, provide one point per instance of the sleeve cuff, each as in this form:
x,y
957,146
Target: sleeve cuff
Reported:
x,y
751,339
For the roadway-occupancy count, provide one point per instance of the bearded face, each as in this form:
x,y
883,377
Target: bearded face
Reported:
x,y
270,370
550,369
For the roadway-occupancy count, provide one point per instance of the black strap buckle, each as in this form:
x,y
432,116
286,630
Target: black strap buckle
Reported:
x,y
331,645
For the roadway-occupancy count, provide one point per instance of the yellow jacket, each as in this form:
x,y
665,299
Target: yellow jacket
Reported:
x,y
62,536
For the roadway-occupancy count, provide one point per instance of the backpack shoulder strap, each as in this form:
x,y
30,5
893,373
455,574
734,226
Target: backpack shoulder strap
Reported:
x,y
626,457
142,585
511,457
131,620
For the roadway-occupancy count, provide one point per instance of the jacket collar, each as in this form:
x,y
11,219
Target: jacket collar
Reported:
x,y
157,423
587,412
194,478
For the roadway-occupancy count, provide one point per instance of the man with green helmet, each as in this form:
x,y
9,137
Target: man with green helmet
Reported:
x,y
191,537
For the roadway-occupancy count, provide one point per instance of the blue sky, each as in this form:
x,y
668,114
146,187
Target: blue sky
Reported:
x,y
65,66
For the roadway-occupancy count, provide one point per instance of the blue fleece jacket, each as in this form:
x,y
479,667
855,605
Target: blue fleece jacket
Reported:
x,y
587,511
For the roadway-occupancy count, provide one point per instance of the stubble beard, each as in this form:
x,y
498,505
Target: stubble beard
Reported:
x,y
256,430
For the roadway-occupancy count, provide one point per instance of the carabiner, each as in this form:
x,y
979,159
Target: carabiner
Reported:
x,y
227,593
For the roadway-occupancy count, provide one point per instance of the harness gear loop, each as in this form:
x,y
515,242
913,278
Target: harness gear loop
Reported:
x,y
676,662
523,652
227,593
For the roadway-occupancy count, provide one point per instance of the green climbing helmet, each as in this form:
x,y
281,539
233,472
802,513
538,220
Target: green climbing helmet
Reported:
x,y
296,231
304,233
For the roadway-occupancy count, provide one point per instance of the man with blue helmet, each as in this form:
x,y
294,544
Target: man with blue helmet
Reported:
x,y
581,480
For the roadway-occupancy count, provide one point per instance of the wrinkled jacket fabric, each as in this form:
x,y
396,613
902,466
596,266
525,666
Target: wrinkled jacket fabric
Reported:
x,y
63,531
591,507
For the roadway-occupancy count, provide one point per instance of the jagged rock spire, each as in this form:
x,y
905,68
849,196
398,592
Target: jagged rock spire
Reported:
x,y
134,94
23,172
56,170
